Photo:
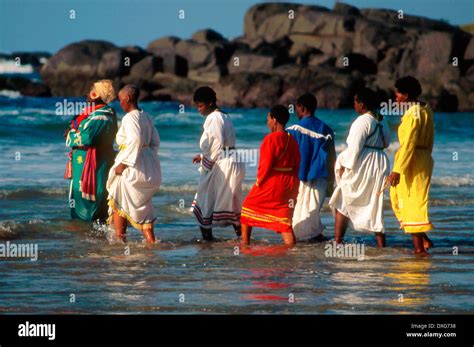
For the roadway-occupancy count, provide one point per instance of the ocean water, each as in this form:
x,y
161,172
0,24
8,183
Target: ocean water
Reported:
x,y
79,271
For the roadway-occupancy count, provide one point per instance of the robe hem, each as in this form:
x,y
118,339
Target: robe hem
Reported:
x,y
140,226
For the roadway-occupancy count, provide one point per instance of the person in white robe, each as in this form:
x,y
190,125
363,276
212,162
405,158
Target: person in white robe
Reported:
x,y
136,174
218,201
361,171
316,172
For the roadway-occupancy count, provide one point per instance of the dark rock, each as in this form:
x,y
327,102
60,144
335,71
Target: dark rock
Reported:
x,y
359,62
258,14
73,69
208,35
432,53
345,9
333,46
250,62
197,54
132,55
35,59
287,49
249,89
469,53
24,86
144,70
209,74
166,42
391,18
36,90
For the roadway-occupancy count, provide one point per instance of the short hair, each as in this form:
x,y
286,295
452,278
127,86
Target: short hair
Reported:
x,y
280,113
309,102
409,85
205,94
132,91
368,97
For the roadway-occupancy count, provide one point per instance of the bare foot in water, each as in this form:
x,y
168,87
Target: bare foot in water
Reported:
x,y
420,253
427,243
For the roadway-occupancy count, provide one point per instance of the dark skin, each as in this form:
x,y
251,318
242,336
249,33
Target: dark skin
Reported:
x,y
289,239
205,109
341,221
120,223
421,242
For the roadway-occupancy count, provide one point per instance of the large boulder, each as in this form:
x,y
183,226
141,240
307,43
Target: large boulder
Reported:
x,y
73,69
197,54
396,18
250,62
249,89
260,15
165,48
23,85
144,70
432,53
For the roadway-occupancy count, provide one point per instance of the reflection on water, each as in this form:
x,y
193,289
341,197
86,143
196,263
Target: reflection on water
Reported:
x,y
411,278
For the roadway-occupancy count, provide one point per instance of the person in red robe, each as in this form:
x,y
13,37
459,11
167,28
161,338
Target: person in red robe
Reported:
x,y
271,201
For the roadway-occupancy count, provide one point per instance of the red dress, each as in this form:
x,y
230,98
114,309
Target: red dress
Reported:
x,y
271,201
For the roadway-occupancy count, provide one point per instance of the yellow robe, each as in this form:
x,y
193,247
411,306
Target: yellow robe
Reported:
x,y
414,163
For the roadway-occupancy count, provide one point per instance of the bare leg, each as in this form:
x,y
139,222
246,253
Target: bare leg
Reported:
x,y
246,232
427,243
418,243
207,234
238,230
289,238
380,237
149,235
340,226
120,225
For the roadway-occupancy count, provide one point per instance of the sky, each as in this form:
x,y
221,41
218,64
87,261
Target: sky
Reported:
x,y
45,25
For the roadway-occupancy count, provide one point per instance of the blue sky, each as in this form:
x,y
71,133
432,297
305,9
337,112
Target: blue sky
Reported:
x,y
44,25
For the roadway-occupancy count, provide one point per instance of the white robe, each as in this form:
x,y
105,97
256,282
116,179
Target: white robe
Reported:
x,y
218,201
131,193
366,169
307,222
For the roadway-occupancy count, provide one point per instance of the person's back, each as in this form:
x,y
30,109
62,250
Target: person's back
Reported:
x,y
316,173
313,137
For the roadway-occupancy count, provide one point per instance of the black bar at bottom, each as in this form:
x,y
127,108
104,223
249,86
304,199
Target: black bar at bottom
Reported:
x,y
233,329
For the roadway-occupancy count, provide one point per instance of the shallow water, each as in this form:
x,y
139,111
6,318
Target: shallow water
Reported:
x,y
181,274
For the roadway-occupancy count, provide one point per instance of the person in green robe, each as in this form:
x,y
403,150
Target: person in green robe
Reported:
x,y
91,139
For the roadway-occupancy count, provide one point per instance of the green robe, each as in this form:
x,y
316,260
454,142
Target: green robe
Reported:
x,y
97,130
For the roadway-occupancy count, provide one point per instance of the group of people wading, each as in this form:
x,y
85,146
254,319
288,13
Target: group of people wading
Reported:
x,y
297,169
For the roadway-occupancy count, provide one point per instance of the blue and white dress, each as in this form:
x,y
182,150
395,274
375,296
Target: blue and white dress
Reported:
x,y
314,138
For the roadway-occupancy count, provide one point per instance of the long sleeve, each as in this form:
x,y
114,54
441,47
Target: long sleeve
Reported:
x,y
407,136
89,134
355,142
133,144
267,159
212,143
155,139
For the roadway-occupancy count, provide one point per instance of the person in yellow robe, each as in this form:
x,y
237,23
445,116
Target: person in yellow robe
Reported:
x,y
411,174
